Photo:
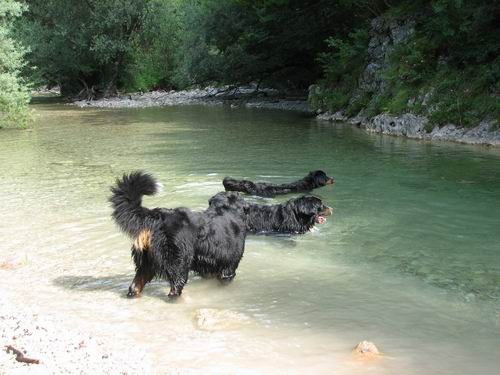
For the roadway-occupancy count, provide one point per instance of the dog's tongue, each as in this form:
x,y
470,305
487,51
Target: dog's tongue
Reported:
x,y
320,219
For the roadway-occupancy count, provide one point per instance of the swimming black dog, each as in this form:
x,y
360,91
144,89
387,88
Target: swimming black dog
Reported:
x,y
312,181
168,243
296,216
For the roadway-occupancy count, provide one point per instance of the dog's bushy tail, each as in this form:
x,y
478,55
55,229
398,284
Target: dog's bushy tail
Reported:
x,y
126,200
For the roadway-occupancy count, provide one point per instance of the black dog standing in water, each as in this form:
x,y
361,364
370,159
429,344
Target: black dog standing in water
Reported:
x,y
296,216
168,243
312,181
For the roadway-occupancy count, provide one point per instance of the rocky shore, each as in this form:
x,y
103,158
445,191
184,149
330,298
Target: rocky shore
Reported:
x,y
239,97
34,344
417,127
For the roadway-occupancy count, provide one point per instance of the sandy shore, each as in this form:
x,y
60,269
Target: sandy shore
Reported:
x,y
241,97
59,350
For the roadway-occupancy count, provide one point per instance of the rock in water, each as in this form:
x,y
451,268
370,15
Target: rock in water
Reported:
x,y
215,320
366,350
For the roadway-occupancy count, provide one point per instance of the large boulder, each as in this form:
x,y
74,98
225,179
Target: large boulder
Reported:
x,y
408,124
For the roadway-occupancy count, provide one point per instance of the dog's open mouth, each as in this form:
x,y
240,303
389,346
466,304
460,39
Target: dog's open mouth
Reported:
x,y
321,217
330,181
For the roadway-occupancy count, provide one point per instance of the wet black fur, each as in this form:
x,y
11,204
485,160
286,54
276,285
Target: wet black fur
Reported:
x,y
210,242
296,216
312,181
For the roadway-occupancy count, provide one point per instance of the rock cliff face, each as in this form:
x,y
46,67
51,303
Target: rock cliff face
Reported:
x,y
384,36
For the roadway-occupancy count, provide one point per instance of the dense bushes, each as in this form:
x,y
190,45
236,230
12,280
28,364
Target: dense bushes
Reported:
x,y
14,95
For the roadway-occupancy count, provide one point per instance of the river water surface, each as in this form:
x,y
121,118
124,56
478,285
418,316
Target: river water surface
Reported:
x,y
410,259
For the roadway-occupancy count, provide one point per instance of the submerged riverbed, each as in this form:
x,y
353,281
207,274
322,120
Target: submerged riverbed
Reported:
x,y
410,259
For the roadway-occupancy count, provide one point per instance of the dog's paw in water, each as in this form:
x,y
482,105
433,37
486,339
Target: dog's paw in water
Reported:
x,y
173,296
132,293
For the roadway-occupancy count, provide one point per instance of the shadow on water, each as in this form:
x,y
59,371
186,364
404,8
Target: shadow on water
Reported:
x,y
119,284
116,283
86,283
46,99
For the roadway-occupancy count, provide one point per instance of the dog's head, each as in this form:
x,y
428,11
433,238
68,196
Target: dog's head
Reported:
x,y
224,201
310,210
319,178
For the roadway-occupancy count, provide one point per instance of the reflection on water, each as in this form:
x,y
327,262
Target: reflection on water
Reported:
x,y
410,259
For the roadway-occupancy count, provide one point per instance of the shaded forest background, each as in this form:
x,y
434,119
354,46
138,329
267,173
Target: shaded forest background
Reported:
x,y
447,67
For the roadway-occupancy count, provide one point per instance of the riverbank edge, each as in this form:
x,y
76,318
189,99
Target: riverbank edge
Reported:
x,y
212,96
406,125
418,127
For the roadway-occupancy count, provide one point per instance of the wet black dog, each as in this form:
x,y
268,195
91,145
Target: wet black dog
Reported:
x,y
296,216
312,181
168,243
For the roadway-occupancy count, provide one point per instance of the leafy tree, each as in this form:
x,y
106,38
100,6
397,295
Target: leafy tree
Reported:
x,y
82,46
274,41
151,61
14,94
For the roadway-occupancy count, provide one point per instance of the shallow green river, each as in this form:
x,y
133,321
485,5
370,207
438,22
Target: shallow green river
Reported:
x,y
410,260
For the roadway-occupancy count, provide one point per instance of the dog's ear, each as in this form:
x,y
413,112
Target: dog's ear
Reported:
x,y
319,177
308,206
300,206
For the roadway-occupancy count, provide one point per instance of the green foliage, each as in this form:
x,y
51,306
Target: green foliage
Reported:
x,y
357,103
88,46
411,63
448,70
452,59
464,97
342,64
151,60
14,94
270,41
344,56
376,105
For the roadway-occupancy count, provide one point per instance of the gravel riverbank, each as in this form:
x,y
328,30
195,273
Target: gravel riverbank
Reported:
x,y
36,344
241,97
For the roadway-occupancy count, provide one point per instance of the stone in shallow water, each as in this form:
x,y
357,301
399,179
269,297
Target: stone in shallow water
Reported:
x,y
215,320
366,350
13,262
